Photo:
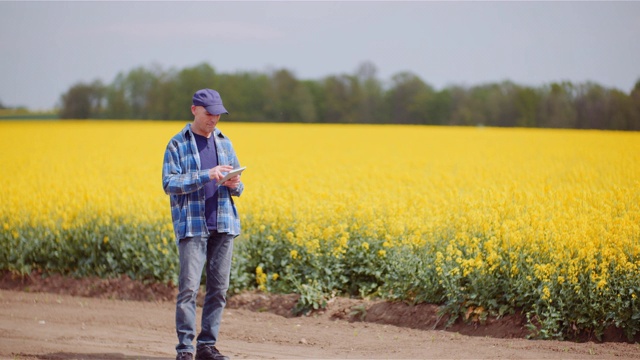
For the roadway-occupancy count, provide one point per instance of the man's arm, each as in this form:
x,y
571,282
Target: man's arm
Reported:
x,y
174,181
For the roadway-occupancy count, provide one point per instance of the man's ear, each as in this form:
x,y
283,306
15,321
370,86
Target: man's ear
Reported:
x,y
193,110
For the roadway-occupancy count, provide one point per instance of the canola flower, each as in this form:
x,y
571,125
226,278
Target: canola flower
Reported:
x,y
494,213
81,197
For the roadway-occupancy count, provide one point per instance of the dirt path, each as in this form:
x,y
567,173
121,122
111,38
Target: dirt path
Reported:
x,y
59,326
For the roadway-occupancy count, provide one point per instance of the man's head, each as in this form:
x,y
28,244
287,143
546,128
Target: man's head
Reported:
x,y
206,109
210,100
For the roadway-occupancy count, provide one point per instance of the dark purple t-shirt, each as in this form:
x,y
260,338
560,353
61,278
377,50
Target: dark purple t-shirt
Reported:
x,y
208,160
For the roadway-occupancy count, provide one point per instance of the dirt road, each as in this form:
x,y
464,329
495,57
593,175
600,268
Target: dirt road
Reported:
x,y
59,326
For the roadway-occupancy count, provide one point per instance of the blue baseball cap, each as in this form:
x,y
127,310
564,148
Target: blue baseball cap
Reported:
x,y
211,101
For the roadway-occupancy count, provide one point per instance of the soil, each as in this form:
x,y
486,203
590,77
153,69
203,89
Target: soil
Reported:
x,y
62,318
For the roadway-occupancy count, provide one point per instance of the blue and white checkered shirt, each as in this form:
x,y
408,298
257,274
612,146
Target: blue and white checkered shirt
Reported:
x,y
183,181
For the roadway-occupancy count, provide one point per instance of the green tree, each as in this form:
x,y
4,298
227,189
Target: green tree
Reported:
x,y
527,102
504,111
634,123
440,108
245,95
557,106
152,93
118,106
83,101
369,95
131,93
408,99
492,104
339,105
138,86
592,106
462,111
318,97
288,100
622,112
481,105
166,102
184,84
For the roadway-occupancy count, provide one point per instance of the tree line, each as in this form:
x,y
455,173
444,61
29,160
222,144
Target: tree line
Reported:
x,y
278,96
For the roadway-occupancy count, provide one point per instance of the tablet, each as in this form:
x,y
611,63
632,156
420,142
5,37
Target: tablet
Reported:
x,y
231,174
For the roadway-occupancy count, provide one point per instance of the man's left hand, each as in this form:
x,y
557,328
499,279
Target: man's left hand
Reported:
x,y
232,183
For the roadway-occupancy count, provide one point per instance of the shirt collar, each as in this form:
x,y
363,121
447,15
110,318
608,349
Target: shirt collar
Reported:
x,y
186,132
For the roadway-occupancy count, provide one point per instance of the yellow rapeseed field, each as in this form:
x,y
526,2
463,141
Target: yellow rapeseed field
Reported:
x,y
561,205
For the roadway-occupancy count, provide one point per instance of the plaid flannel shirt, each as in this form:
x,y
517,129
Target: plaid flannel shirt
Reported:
x,y
183,181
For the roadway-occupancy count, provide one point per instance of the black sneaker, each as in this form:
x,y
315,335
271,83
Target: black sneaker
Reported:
x,y
209,352
184,356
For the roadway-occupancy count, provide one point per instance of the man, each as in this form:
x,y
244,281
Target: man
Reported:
x,y
205,221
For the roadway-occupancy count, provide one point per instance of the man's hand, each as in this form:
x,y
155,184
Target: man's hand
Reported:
x,y
217,173
233,182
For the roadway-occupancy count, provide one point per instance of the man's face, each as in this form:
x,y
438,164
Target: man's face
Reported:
x,y
203,122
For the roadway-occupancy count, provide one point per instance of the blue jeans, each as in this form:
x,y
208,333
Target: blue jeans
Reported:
x,y
214,251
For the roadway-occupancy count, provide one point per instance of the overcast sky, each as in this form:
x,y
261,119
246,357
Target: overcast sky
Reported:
x,y
49,46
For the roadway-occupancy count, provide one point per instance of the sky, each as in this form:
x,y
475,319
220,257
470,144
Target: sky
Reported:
x,y
49,46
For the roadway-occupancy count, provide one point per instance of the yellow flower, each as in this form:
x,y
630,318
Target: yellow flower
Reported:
x,y
261,278
519,204
546,294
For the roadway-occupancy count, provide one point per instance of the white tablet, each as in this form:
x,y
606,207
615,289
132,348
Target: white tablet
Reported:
x,y
231,174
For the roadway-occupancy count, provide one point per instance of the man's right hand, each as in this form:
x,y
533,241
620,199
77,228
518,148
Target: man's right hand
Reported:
x,y
216,173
